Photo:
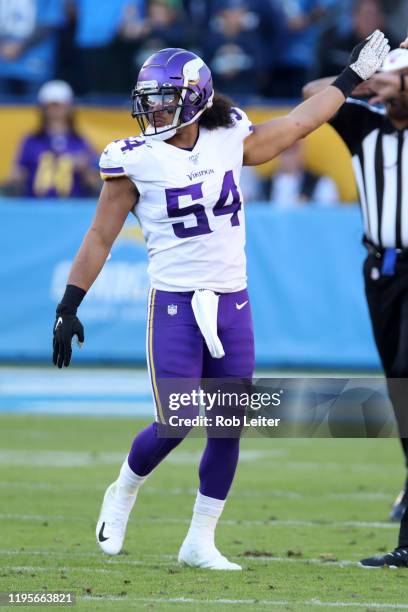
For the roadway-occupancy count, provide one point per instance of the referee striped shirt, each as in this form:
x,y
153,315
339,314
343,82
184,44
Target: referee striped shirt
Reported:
x,y
380,161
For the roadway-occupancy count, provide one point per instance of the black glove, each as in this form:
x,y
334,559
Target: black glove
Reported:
x,y
67,325
65,328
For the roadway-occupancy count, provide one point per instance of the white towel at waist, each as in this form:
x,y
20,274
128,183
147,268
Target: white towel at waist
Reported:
x,y
205,307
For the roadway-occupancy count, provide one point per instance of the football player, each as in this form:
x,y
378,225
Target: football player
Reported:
x,y
180,177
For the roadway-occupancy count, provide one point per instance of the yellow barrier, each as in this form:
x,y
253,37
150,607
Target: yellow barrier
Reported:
x,y
325,152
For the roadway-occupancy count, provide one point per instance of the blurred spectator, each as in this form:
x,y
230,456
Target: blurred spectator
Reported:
x,y
165,26
335,47
254,188
233,48
396,13
263,47
55,161
199,12
292,185
102,26
296,57
28,43
68,55
273,33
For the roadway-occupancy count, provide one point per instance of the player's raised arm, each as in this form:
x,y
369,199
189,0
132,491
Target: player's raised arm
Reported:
x,y
271,138
118,197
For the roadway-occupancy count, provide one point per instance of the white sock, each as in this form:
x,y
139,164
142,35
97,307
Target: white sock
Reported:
x,y
128,484
207,511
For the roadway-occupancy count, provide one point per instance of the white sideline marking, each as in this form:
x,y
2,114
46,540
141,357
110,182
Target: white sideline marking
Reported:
x,y
64,570
39,517
305,560
63,459
75,382
136,409
281,523
264,602
57,458
323,465
355,604
121,560
46,486
267,523
171,560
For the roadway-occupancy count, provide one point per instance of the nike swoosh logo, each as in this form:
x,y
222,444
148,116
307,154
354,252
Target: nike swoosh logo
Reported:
x,y
239,306
58,323
101,537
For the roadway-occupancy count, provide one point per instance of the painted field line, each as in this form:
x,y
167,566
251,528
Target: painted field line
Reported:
x,y
169,560
32,568
46,486
120,560
41,517
325,466
166,560
288,523
356,604
283,523
305,561
182,600
265,523
264,602
64,459
56,459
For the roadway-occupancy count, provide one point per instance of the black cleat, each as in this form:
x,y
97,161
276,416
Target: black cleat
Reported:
x,y
399,506
397,558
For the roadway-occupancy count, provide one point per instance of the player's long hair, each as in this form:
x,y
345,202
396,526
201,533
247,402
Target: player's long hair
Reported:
x,y
219,115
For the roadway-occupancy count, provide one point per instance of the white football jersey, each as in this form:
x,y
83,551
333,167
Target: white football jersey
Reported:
x,y
190,207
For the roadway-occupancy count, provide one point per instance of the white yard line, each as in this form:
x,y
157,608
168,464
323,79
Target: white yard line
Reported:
x,y
266,523
35,569
58,487
320,561
356,604
264,602
121,560
168,560
64,459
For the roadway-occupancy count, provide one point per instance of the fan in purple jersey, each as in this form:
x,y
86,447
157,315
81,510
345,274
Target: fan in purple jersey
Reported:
x,y
55,161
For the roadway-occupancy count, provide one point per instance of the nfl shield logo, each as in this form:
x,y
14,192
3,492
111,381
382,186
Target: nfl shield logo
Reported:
x,y
172,309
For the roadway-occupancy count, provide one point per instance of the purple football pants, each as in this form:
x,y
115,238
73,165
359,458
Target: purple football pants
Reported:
x,y
176,349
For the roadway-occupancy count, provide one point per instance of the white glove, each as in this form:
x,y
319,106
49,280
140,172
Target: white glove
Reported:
x,y
368,56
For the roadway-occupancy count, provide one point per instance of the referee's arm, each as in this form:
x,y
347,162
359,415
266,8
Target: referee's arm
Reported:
x,y
381,87
315,87
354,119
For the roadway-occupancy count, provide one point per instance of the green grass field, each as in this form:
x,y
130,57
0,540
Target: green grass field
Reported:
x,y
301,514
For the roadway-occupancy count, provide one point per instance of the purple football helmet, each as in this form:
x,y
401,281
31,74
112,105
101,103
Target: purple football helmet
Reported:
x,y
175,82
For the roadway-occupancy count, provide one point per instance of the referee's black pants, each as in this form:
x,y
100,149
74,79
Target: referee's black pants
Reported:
x,y
387,298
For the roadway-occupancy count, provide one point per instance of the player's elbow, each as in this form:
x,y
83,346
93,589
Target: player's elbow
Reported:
x,y
307,91
99,238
